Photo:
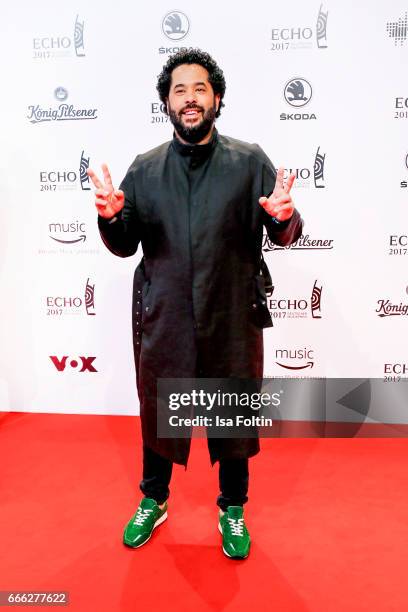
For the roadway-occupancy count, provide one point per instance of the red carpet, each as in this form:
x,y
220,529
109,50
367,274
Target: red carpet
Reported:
x,y
328,520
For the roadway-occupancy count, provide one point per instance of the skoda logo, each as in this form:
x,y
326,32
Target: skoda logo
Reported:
x,y
175,25
298,92
61,94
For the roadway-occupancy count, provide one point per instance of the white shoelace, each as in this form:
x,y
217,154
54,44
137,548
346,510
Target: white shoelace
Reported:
x,y
142,515
237,526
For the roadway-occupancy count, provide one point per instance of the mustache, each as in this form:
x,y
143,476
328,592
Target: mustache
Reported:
x,y
191,107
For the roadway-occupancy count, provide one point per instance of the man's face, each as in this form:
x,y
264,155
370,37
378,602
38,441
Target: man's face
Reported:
x,y
192,103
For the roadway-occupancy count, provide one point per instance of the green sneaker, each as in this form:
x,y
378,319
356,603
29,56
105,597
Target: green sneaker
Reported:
x,y
140,527
235,537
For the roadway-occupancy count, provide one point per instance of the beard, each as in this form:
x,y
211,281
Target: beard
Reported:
x,y
197,132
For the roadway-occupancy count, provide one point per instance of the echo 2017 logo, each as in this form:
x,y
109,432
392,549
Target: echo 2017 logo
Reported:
x,y
308,175
297,308
158,114
398,244
301,37
67,178
59,305
401,107
52,47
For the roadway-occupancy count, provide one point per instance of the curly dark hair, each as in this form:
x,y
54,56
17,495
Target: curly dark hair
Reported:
x,y
191,56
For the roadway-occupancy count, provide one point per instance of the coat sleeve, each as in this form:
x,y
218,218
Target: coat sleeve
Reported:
x,y
281,233
122,234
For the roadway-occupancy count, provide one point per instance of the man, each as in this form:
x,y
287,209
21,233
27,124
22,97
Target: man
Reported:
x,y
197,204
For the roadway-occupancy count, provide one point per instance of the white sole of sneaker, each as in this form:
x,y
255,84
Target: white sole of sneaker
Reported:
x,y
160,520
157,523
225,552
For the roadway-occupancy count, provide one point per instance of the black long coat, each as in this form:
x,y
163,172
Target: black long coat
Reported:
x,y
197,299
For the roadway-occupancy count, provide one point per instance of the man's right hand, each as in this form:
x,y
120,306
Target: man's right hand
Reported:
x,y
108,201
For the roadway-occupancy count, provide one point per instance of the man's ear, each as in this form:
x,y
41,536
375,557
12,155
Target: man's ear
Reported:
x,y
217,101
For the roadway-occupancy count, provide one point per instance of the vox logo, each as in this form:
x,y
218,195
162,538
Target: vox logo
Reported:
x,y
84,362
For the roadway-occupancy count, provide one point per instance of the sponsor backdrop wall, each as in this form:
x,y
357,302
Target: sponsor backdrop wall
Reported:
x,y
321,87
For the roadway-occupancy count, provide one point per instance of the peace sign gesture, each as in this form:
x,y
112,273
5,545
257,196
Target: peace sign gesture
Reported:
x,y
108,201
280,204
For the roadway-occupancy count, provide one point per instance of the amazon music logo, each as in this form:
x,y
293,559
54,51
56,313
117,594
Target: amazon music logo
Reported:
x,y
301,37
298,307
304,243
66,179
398,30
295,359
79,364
53,47
66,238
297,93
387,308
67,233
58,306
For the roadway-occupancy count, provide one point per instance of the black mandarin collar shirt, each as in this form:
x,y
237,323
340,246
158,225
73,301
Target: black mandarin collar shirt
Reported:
x,y
197,153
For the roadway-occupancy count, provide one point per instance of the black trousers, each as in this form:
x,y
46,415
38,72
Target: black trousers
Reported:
x,y
233,479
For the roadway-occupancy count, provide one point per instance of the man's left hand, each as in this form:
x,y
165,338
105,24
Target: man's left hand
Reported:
x,y
280,204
